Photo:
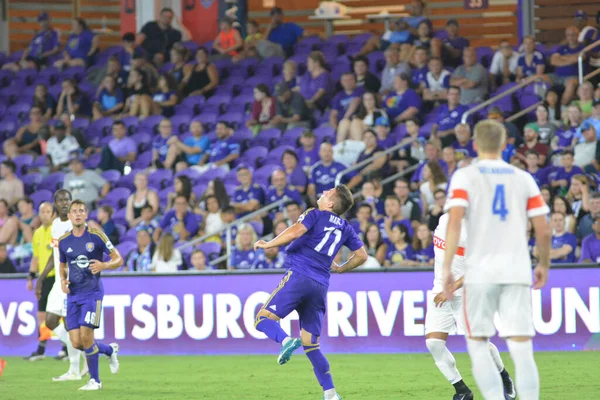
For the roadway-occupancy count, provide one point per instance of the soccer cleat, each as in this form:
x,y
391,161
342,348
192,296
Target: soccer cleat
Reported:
x,y
35,356
337,396
91,385
463,396
114,360
67,376
288,349
510,392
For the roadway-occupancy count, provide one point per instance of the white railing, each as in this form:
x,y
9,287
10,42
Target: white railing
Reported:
x,y
580,59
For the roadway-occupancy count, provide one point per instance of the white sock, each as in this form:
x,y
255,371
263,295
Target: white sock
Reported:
x,y
74,354
287,339
496,356
526,373
444,360
484,370
330,394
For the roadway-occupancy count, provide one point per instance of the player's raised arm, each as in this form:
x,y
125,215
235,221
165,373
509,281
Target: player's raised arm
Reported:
x,y
285,237
356,259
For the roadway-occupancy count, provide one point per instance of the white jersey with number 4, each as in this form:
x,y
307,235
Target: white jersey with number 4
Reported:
x,y
499,199
59,228
439,248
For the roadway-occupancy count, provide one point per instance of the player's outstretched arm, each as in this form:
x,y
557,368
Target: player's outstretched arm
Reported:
x,y
285,237
357,258
543,238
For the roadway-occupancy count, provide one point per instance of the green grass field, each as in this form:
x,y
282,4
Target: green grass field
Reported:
x,y
397,376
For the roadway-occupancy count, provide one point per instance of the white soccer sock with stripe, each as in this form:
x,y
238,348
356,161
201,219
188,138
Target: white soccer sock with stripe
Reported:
x,y
330,394
527,377
496,356
74,354
484,370
444,360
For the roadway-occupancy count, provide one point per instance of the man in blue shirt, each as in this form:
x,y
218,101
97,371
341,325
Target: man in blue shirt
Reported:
x,y
190,151
463,144
80,252
278,189
179,221
223,152
285,34
248,196
322,175
565,62
449,116
160,144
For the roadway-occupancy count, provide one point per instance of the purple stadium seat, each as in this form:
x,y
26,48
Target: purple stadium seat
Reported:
x,y
262,176
127,180
258,227
73,72
23,162
208,120
231,178
93,161
191,46
211,250
266,71
235,119
160,178
143,139
425,130
105,141
117,198
40,161
5,77
376,61
180,123
51,72
143,160
150,123
211,174
234,80
191,173
120,217
100,127
527,100
244,98
81,123
40,196
199,190
212,109
122,229
267,138
131,122
181,109
254,156
484,55
219,99
27,75
30,181
21,110
324,133
243,136
112,176
237,109
230,189
7,128
163,197
130,235
42,80
291,137
274,156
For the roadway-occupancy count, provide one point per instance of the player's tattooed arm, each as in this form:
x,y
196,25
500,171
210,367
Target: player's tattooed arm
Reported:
x,y
357,259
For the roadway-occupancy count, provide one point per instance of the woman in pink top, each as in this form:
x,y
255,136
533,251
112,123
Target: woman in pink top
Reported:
x,y
263,108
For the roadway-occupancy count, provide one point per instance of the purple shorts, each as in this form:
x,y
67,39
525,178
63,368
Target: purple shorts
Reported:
x,y
303,294
84,310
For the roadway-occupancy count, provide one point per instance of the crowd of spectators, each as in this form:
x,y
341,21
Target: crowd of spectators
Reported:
x,y
167,141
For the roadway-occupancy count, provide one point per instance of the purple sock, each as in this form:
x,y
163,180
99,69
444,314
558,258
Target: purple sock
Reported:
x,y
105,349
271,328
321,366
92,359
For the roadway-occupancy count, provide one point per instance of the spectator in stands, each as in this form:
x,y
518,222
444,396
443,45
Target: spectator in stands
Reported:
x,y
142,196
587,153
393,67
280,188
449,117
148,70
290,73
129,51
561,205
554,106
291,109
269,258
199,261
147,221
449,157
374,243
140,258
201,78
546,129
105,214
285,34
113,68
546,194
450,49
322,175
531,63
160,145
253,36
579,195
223,152
11,187
45,44
182,186
590,247
400,250
158,37
109,99
378,165
472,78
179,56
308,152
344,105
382,129
585,98
71,100
180,221
432,153
242,254
212,221
6,265
263,108
422,244
532,142
9,224
403,103
28,220
584,227
81,46
84,184
565,61
372,194
315,84
412,153
513,134
229,42
26,141
44,101
365,79
420,69
119,151
437,210
166,98
435,178
138,103
190,151
437,82
368,112
410,208
166,257
422,39
364,216
532,161
61,148
393,216
248,196
463,144
293,210
563,242
503,68
295,176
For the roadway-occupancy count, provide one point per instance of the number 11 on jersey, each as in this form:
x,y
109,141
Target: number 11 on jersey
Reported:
x,y
499,203
323,242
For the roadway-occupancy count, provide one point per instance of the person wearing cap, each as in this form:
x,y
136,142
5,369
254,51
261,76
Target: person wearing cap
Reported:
x,y
81,46
587,33
472,78
565,62
84,184
451,46
382,129
594,120
503,68
344,105
590,246
561,180
44,45
531,133
531,62
393,67
61,148
285,34
223,152
449,115
587,153
158,37
403,103
248,196
290,110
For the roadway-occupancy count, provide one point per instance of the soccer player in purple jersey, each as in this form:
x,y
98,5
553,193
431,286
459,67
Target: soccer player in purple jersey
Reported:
x,y
315,240
80,252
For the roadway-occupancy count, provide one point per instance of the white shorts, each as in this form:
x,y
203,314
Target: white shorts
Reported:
x,y
57,301
447,319
511,302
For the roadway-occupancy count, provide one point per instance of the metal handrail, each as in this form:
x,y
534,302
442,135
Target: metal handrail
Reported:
x,y
580,58
338,177
391,178
499,96
524,111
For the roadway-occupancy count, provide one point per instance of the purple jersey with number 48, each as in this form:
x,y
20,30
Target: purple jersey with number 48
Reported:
x,y
312,253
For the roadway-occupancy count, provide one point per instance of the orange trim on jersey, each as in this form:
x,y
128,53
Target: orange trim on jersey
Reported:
x,y
460,194
535,202
467,325
441,244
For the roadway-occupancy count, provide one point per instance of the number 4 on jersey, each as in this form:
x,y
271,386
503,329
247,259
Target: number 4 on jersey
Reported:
x,y
499,203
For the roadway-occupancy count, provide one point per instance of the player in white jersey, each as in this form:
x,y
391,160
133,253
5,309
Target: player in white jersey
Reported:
x,y
444,315
496,200
56,307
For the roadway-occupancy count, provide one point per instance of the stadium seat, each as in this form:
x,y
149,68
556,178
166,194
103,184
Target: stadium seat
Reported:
x,y
254,156
53,181
117,198
211,174
160,178
23,162
111,176
40,196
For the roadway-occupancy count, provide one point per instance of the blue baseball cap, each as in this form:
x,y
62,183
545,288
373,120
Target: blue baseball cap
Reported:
x,y
44,16
580,14
384,121
586,126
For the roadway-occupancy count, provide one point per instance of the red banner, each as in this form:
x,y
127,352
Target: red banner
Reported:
x,y
201,18
128,19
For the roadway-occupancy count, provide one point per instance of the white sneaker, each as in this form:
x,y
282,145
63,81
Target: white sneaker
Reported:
x,y
91,385
114,360
67,376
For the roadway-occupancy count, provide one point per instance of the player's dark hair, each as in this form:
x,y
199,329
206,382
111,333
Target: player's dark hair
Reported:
x,y
535,153
109,210
77,202
167,9
379,241
26,199
366,205
393,197
290,153
404,230
147,206
344,200
59,191
10,165
119,122
4,202
568,152
228,210
292,203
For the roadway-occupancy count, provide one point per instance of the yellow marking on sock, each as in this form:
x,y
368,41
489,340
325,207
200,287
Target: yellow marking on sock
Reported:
x,y
309,350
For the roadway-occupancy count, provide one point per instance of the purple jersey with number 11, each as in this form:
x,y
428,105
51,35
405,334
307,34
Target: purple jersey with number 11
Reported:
x,y
312,253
